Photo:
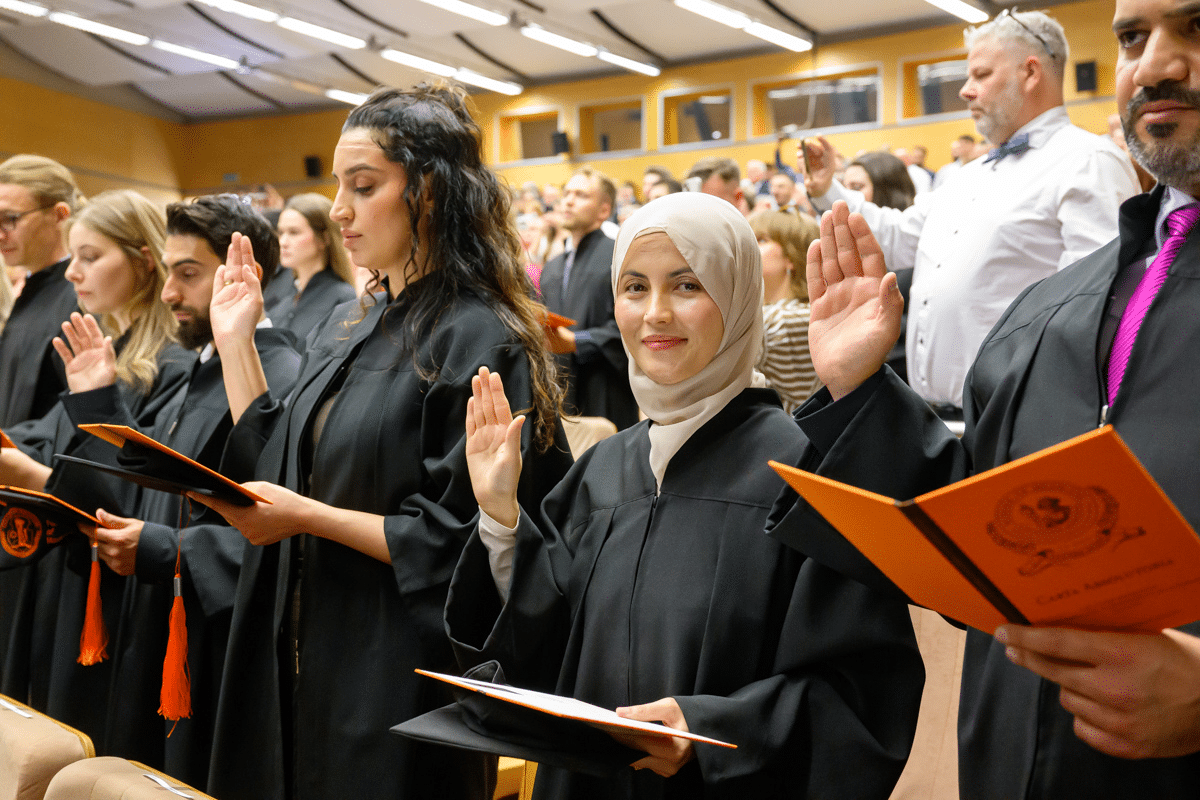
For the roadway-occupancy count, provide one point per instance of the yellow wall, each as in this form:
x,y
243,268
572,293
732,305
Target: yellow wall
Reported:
x,y
1088,26
110,147
106,147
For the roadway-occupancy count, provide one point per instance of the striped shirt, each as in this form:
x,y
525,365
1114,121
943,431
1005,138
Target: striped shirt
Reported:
x,y
785,361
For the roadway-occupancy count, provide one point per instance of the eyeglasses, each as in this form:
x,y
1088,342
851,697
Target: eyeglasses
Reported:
x,y
8,222
1011,14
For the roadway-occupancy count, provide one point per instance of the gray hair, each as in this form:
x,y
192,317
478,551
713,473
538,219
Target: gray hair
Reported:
x,y
1037,31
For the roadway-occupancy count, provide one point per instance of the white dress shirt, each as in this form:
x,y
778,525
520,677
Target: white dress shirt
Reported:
x,y
993,230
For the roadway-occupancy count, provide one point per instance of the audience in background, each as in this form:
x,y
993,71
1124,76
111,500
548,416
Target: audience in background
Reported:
x,y
1045,199
651,176
962,150
575,285
882,178
718,176
782,188
315,275
783,240
663,187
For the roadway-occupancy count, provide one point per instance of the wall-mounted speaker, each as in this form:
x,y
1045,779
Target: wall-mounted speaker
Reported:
x,y
1085,76
560,143
312,166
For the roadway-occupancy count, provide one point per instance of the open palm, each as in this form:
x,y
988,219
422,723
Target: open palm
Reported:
x,y
493,448
856,305
87,354
237,302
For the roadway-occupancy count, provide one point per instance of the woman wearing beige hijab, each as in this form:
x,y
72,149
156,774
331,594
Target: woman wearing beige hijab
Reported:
x,y
645,582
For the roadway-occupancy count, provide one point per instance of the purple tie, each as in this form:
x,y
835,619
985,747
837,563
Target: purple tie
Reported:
x,y
1179,222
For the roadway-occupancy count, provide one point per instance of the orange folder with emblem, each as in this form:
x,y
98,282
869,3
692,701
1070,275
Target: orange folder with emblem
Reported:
x,y
1077,535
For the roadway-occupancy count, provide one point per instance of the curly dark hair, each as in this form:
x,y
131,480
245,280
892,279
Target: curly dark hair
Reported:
x,y
472,242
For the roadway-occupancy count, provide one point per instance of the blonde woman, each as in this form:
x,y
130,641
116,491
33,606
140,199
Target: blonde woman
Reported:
x,y
125,358
783,240
315,275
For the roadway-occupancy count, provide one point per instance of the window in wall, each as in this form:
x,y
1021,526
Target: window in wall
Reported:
x,y
821,102
939,84
932,86
528,135
610,127
699,117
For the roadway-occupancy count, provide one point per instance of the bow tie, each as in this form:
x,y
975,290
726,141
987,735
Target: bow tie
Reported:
x,y
1013,147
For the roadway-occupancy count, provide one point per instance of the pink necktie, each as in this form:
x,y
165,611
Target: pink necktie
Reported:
x,y
1179,223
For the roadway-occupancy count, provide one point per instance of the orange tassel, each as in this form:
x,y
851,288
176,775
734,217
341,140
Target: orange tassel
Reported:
x,y
93,642
176,697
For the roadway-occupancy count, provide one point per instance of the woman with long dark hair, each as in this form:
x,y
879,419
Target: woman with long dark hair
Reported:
x,y
345,572
882,178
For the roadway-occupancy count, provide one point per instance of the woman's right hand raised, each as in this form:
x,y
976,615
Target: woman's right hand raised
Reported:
x,y
88,355
494,448
856,304
237,301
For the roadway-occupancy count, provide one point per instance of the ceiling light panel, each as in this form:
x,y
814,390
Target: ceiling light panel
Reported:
x,y
195,55
322,33
243,10
963,11
540,34
416,62
471,11
98,28
629,64
28,9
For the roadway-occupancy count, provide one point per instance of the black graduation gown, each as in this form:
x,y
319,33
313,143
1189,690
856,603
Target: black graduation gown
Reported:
x,y
195,422
620,597
598,371
1036,381
44,640
393,444
301,313
31,374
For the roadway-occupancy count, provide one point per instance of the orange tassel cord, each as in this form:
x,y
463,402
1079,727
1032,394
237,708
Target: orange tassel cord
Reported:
x,y
93,642
175,700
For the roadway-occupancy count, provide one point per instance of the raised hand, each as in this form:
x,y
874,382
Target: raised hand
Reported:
x,y
856,305
88,354
235,309
493,448
819,167
237,301
666,756
1133,695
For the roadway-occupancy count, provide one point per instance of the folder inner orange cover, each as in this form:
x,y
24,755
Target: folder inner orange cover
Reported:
x,y
1076,535
117,435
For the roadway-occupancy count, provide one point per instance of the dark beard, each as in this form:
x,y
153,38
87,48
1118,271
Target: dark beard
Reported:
x,y
196,332
1174,164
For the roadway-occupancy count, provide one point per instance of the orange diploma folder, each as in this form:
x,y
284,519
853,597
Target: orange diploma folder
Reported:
x,y
568,708
155,466
5,441
1076,535
552,320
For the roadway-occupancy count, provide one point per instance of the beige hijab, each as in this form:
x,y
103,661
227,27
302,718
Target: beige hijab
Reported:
x,y
719,246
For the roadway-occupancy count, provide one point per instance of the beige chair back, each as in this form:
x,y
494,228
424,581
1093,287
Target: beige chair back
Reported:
x,y
117,779
33,748
583,432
